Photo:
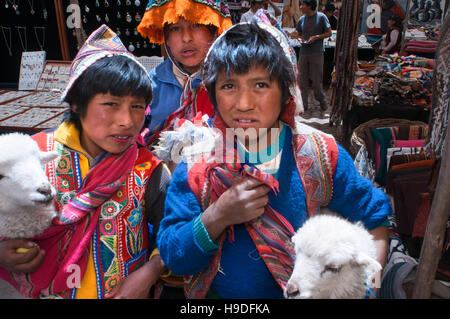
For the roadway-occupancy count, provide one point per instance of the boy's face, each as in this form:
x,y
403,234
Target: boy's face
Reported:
x,y
249,100
390,23
111,123
189,43
305,8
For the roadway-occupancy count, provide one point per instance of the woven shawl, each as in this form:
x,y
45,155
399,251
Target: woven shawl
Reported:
x,y
66,243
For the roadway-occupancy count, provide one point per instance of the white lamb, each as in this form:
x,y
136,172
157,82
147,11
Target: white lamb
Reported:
x,y
26,196
334,259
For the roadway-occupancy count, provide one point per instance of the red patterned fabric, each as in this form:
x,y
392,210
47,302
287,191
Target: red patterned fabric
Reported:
x,y
67,242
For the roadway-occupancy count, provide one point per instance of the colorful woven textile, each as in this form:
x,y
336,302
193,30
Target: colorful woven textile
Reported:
x,y
441,94
104,178
382,140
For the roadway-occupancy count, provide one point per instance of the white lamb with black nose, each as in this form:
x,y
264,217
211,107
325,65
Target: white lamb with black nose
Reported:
x,y
26,196
334,259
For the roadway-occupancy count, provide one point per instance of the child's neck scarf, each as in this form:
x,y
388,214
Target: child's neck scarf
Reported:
x,y
67,242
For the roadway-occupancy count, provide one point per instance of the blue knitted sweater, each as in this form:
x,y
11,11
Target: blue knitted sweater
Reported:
x,y
242,272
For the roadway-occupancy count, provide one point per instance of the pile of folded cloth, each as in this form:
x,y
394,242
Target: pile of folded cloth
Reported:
x,y
411,180
422,33
385,142
432,33
409,177
394,79
363,91
421,46
392,156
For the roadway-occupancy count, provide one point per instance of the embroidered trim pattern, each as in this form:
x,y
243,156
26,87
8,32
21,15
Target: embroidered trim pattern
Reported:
x,y
325,165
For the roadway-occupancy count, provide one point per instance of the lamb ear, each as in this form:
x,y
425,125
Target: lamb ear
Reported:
x,y
370,263
47,156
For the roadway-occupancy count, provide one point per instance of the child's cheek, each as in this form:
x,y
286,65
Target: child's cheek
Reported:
x,y
100,114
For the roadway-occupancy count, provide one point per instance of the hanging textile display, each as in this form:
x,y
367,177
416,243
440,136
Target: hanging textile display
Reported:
x,y
346,54
441,94
291,14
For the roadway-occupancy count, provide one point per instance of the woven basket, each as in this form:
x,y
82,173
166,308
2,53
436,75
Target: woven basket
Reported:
x,y
357,139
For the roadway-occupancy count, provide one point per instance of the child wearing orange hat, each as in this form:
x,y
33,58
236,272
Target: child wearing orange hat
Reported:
x,y
187,29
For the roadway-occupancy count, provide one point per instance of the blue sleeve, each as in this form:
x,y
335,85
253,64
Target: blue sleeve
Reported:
x,y
354,197
177,245
299,25
326,23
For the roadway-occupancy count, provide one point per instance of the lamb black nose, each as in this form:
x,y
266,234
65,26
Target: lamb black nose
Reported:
x,y
292,291
45,190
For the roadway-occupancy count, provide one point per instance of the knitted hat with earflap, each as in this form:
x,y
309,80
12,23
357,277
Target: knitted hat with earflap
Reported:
x,y
271,25
102,43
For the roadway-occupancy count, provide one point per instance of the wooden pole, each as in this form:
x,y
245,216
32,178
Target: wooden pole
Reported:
x,y
59,9
435,231
440,208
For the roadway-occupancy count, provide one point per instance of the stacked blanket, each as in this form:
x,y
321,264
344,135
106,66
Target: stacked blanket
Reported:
x,y
394,79
421,46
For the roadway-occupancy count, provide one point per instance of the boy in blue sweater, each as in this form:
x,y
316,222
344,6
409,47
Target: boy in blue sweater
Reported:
x,y
228,223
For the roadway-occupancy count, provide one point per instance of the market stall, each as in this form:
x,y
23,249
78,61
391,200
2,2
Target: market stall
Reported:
x,y
392,86
422,26
40,108
385,105
407,158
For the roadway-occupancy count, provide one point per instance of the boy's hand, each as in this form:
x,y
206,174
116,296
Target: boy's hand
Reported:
x,y
14,261
313,39
241,203
130,287
137,285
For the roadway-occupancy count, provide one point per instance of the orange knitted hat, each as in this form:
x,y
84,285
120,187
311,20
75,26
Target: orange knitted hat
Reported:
x,y
160,12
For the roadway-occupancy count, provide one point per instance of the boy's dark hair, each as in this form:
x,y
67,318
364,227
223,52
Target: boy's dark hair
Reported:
x,y
245,46
330,8
116,75
311,3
